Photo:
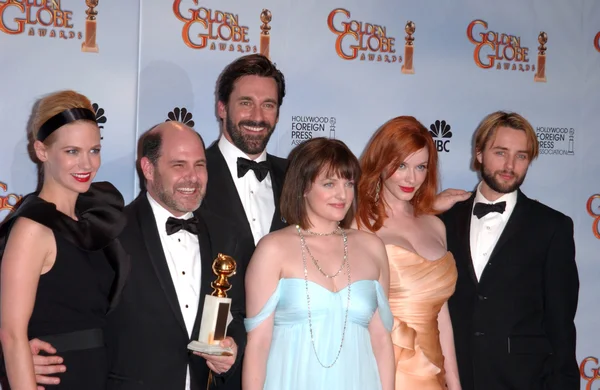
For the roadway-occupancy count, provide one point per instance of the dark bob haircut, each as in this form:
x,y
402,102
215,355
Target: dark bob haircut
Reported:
x,y
307,161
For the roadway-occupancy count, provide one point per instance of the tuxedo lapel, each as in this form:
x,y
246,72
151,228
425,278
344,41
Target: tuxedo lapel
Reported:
x,y
207,277
221,194
277,178
513,225
156,254
464,234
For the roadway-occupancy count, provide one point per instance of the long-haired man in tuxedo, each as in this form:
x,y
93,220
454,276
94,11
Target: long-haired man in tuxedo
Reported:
x,y
517,290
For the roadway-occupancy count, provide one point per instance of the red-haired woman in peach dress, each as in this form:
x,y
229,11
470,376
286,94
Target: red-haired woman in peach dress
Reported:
x,y
395,201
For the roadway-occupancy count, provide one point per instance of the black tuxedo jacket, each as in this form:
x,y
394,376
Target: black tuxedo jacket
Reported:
x,y
222,197
514,328
146,334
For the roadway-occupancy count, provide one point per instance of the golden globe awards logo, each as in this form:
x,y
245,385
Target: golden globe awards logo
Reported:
x,y
42,18
220,30
8,201
589,371
357,40
498,50
593,209
597,41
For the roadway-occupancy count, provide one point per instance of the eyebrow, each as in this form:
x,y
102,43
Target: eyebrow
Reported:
x,y
79,147
503,148
268,100
185,161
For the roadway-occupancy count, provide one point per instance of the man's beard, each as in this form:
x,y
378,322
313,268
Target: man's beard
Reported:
x,y
489,178
169,199
248,143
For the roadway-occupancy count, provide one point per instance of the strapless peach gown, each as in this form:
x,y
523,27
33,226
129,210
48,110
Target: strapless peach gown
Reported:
x,y
418,289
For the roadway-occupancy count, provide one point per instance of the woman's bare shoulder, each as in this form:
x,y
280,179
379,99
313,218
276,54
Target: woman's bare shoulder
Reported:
x,y
434,224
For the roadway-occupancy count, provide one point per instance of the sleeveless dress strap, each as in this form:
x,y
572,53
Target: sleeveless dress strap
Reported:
x,y
265,312
385,313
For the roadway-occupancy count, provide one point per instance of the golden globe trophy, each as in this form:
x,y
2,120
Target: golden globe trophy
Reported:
x,y
540,75
409,48
216,312
89,45
265,37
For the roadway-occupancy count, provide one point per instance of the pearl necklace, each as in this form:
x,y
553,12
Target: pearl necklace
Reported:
x,y
312,338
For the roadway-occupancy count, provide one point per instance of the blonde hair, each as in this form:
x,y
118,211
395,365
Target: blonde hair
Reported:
x,y
54,104
486,132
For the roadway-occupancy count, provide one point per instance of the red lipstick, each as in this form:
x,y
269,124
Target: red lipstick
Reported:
x,y
407,189
82,177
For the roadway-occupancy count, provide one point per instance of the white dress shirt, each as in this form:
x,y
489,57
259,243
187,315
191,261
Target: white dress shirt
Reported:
x,y
256,196
182,252
486,231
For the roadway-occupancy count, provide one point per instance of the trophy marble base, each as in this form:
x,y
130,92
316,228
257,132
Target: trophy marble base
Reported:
x,y
216,316
209,349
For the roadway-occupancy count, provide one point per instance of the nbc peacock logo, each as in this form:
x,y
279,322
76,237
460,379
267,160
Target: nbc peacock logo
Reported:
x,y
100,118
181,115
440,131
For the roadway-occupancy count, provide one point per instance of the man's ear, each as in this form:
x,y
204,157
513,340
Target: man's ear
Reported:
x,y
147,168
221,110
479,156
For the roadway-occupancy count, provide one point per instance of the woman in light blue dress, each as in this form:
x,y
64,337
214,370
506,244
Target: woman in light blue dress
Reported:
x,y
316,291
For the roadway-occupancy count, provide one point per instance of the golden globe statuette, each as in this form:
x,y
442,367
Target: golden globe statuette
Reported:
x,y
89,45
216,311
409,48
540,75
265,37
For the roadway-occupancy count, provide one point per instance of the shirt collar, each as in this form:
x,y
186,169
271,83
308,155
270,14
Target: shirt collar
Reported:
x,y
510,199
231,152
161,214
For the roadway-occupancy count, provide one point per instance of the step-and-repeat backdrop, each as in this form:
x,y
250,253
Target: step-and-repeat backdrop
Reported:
x,y
349,67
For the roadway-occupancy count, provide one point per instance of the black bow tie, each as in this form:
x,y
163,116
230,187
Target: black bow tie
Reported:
x,y
174,225
482,209
261,169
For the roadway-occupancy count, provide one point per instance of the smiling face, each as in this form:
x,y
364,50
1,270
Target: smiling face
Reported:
x,y
329,198
406,180
250,115
504,162
73,158
178,178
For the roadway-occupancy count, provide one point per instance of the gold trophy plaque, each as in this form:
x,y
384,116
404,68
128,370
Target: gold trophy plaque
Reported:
x,y
265,37
89,45
540,75
216,311
409,48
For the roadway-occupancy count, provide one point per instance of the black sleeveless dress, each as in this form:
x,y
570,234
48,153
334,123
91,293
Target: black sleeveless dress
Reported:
x,y
75,296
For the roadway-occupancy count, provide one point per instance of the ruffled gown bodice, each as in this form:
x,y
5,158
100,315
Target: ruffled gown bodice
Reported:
x,y
292,364
84,283
418,290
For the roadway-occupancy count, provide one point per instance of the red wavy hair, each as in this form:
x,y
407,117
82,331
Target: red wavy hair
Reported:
x,y
391,144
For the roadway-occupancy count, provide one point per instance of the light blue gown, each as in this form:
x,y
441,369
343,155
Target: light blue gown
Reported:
x,y
292,364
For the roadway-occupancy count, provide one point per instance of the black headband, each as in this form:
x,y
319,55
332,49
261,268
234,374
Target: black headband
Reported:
x,y
63,118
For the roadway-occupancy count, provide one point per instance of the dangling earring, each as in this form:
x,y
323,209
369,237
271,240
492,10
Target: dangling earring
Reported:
x,y
377,189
